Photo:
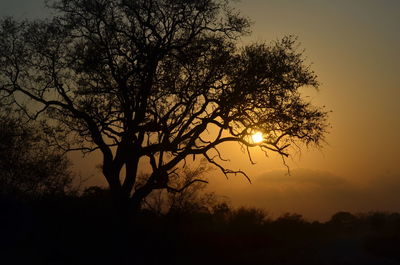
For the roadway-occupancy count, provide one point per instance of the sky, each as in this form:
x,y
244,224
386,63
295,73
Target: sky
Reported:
x,y
353,47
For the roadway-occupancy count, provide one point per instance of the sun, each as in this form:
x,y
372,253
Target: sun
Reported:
x,y
257,137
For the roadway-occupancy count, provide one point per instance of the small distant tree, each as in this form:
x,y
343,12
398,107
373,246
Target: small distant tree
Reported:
x,y
344,219
160,82
28,166
244,217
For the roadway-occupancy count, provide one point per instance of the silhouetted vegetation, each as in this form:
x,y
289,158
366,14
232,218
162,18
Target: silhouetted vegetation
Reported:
x,y
184,226
29,167
148,80
84,230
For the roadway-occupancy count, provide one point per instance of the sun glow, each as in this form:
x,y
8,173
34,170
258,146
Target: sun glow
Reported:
x,y
257,137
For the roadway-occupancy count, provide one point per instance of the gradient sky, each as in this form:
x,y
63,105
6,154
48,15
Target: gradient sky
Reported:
x,y
354,47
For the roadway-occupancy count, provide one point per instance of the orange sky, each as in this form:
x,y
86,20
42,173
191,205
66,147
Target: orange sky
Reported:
x,y
354,49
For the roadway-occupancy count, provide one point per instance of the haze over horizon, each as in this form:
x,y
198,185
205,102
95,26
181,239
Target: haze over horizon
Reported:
x,y
353,47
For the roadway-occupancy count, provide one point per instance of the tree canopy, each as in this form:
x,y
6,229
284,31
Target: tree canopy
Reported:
x,y
162,80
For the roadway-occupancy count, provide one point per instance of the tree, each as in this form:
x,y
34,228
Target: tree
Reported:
x,y
28,167
159,82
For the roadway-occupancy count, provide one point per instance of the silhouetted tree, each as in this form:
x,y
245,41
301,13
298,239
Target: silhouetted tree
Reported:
x,y
344,219
245,217
158,81
28,166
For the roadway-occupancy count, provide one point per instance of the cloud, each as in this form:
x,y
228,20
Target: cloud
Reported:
x,y
302,176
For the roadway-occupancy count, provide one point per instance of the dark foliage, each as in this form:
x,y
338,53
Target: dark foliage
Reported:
x,y
29,167
148,80
85,230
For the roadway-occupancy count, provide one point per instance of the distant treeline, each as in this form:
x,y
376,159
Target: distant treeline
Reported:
x,y
86,229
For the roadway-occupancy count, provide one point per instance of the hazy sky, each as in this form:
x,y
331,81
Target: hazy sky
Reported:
x,y
354,49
